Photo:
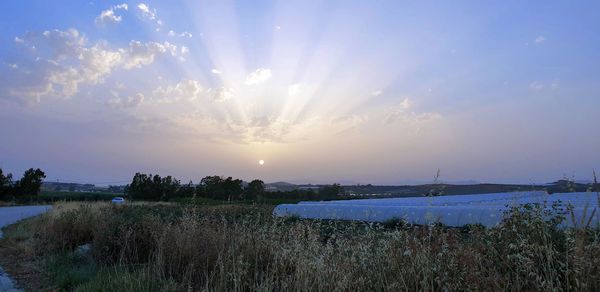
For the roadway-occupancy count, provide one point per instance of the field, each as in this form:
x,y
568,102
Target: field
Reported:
x,y
46,196
191,247
561,186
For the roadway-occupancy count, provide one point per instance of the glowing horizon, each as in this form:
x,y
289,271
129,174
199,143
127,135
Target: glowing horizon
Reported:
x,y
324,91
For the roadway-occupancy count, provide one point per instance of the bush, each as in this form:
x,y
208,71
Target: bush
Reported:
x,y
395,223
237,247
70,270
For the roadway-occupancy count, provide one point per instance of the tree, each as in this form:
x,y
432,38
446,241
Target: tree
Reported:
x,y
233,189
155,192
331,191
140,187
154,188
213,187
186,191
168,187
31,182
6,185
255,190
200,191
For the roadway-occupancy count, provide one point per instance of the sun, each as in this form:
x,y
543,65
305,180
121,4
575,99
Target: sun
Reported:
x,y
261,162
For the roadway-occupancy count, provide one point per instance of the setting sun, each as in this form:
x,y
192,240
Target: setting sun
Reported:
x,y
393,129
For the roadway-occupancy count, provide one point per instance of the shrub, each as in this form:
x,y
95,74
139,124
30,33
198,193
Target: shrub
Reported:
x,y
238,247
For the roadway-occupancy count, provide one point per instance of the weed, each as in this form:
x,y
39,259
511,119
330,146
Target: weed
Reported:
x,y
242,247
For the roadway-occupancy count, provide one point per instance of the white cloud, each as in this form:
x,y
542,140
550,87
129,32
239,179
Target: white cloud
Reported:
x,y
405,104
294,89
13,66
393,116
215,71
348,121
75,63
411,118
18,40
376,93
149,14
398,113
186,89
63,44
144,53
536,85
258,76
121,6
540,39
108,16
184,50
118,102
278,27
221,94
184,34
145,9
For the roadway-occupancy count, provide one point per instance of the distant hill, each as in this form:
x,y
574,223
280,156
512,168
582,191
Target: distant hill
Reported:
x,y
460,189
280,186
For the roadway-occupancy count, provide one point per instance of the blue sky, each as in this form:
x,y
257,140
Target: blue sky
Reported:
x,y
323,91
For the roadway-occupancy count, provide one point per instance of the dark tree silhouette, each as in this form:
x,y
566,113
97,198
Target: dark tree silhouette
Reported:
x,y
255,190
6,185
31,182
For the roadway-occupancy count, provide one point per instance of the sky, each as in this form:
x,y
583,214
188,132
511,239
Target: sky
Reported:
x,y
382,92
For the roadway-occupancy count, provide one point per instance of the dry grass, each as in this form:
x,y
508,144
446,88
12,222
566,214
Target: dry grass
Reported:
x,y
18,256
240,248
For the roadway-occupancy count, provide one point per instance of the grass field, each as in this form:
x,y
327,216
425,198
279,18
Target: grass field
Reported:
x,y
45,197
54,196
182,247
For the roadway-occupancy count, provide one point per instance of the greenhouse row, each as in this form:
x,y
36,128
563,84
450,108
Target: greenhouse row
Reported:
x,y
485,209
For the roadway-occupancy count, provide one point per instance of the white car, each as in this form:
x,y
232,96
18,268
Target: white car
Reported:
x,y
118,200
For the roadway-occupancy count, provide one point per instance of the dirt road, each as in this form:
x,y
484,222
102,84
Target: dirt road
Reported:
x,y
10,215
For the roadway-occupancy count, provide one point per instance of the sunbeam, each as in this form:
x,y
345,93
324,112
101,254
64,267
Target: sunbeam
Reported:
x,y
375,90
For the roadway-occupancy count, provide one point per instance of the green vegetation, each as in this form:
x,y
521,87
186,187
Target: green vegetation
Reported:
x,y
156,188
25,188
76,271
54,196
183,247
561,186
70,269
220,235
119,279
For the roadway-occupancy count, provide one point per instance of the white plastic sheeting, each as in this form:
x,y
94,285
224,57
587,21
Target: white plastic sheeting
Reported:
x,y
459,210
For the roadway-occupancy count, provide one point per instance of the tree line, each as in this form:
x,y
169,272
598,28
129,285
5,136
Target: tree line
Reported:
x,y
28,186
157,188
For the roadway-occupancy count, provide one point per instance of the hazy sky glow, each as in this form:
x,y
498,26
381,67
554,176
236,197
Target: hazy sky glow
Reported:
x,y
322,91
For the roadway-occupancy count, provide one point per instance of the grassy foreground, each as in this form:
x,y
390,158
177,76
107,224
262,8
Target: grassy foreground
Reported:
x,y
174,247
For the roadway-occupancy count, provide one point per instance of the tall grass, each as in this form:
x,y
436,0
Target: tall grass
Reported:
x,y
240,248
